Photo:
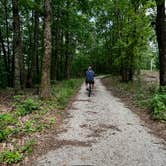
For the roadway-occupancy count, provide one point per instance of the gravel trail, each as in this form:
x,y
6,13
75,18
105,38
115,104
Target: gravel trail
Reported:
x,y
102,131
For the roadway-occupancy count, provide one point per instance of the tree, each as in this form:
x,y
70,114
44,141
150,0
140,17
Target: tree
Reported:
x,y
34,67
45,86
161,38
19,71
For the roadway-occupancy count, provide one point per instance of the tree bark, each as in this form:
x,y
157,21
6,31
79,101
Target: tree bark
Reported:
x,y
9,74
161,38
33,69
19,70
45,86
57,47
67,57
4,56
16,45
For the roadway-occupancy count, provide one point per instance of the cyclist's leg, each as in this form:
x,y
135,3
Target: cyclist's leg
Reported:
x,y
86,84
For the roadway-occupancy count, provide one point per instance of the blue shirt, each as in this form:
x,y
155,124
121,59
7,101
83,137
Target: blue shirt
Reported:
x,y
90,75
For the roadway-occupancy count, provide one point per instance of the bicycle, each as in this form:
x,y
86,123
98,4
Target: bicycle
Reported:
x,y
89,89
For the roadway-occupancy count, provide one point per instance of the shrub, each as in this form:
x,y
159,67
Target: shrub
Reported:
x,y
158,106
26,107
5,133
64,90
5,120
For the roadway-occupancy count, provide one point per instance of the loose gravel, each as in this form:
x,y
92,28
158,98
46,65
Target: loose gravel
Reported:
x,y
102,131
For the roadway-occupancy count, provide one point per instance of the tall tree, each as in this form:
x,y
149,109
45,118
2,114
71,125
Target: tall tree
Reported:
x,y
56,36
34,71
45,86
161,38
19,72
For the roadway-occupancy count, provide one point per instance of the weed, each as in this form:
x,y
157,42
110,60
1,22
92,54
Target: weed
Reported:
x,y
10,157
52,121
16,155
5,121
26,107
27,148
29,126
64,90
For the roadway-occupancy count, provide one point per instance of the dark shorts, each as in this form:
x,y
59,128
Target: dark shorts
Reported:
x,y
89,82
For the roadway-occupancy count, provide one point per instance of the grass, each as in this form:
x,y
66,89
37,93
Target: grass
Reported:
x,y
64,90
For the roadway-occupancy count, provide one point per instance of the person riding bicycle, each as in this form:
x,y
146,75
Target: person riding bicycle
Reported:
x,y
89,77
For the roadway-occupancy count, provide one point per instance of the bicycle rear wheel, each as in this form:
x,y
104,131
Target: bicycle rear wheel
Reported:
x,y
89,90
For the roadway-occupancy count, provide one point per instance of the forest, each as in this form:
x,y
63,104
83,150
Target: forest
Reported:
x,y
45,43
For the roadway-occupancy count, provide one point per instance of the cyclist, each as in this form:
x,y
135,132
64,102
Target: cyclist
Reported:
x,y
89,77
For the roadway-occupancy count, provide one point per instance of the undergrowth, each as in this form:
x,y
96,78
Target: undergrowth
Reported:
x,y
158,104
31,115
64,90
143,95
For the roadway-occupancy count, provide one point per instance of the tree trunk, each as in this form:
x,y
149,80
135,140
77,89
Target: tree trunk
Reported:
x,y
161,38
4,56
57,47
16,45
33,69
9,74
45,86
67,57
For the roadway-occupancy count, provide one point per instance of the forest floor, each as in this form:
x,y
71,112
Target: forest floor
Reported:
x,y
102,130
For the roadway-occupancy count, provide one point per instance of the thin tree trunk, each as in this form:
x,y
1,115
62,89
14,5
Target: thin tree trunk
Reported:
x,y
9,75
67,57
33,69
16,45
57,47
4,56
45,86
30,46
161,38
61,64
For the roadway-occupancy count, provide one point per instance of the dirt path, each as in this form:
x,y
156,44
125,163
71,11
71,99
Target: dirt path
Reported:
x,y
103,132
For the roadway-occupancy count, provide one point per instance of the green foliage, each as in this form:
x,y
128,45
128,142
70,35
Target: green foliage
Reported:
x,y
31,126
5,133
10,157
26,106
64,90
158,106
16,155
12,124
27,148
28,126
5,120
52,120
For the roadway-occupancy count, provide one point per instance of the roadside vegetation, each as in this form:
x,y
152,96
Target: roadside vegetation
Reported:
x,y
29,116
144,92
